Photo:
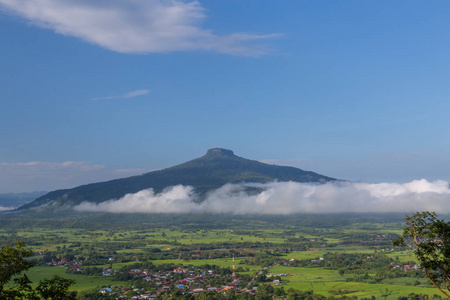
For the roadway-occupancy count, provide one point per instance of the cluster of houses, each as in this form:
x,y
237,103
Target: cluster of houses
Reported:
x,y
406,267
108,272
182,279
72,265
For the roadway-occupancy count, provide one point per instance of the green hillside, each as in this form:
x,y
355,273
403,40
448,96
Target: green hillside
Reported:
x,y
211,171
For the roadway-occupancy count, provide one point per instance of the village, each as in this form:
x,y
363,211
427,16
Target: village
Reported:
x,y
183,280
152,283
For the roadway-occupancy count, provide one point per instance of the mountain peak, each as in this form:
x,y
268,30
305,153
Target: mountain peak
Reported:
x,y
219,152
209,172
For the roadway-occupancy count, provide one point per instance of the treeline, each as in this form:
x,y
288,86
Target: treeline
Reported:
x,y
108,221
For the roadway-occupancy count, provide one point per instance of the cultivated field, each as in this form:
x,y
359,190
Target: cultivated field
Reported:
x,y
334,255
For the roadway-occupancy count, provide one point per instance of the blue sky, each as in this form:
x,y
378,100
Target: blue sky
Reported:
x,y
101,89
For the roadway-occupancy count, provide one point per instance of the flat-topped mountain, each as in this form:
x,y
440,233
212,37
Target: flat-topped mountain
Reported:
x,y
211,171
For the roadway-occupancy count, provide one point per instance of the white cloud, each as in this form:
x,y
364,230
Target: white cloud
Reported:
x,y
289,198
135,26
175,199
132,94
5,208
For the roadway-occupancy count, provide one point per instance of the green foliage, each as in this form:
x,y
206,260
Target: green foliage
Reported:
x,y
431,236
414,296
12,265
293,294
265,292
55,288
209,296
94,295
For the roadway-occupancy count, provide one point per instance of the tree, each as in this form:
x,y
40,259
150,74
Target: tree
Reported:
x,y
431,236
12,265
55,288
265,291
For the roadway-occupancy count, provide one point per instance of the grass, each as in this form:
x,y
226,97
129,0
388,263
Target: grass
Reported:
x,y
330,283
402,256
82,282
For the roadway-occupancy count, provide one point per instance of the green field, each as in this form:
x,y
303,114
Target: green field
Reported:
x,y
328,282
259,245
82,282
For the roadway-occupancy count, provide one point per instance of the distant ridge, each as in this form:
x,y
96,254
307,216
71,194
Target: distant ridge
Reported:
x,y
211,171
18,199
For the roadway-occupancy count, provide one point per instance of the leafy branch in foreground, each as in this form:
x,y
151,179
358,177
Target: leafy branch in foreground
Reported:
x,y
16,285
431,237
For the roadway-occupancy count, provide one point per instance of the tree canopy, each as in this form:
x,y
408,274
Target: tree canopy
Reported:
x,y
431,237
15,284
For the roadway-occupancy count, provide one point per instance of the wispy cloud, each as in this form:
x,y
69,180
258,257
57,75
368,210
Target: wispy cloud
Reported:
x,y
5,208
288,198
52,166
132,94
136,26
45,175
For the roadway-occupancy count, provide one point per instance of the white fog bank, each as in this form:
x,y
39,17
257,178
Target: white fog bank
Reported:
x,y
287,198
5,208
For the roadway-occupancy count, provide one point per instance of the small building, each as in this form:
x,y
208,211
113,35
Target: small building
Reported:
x,y
106,290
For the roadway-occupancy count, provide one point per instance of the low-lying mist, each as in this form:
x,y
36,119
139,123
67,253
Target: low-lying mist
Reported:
x,y
5,208
286,198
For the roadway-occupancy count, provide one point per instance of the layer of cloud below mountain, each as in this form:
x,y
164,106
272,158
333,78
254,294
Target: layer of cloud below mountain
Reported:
x,y
287,198
5,208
